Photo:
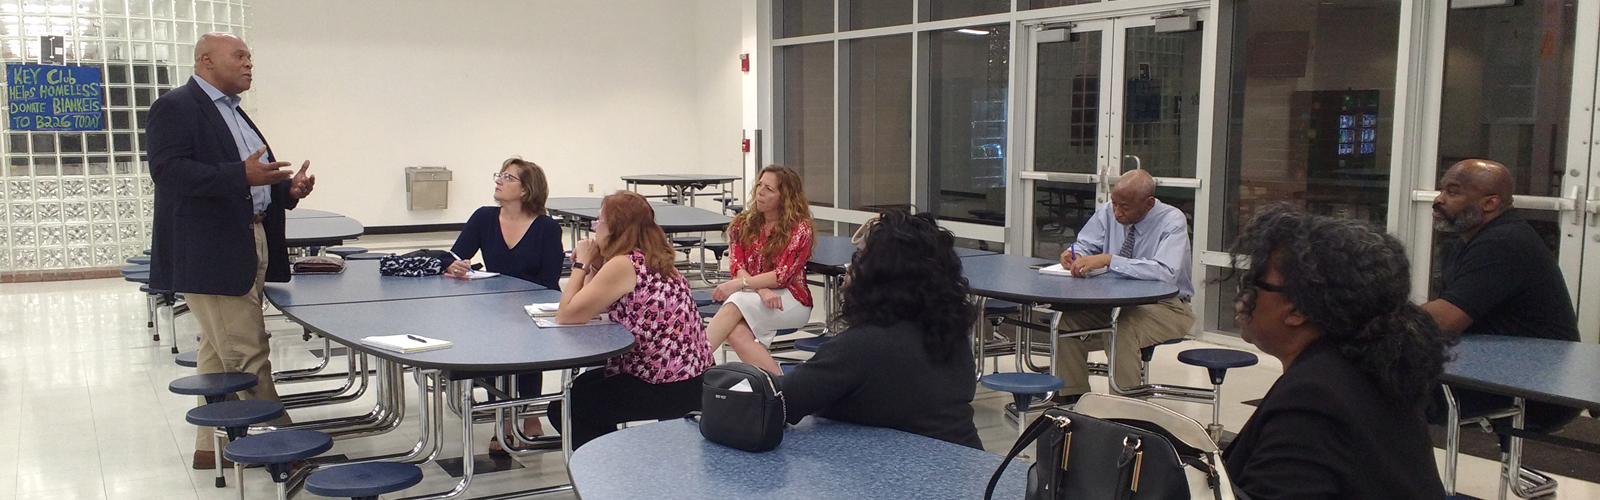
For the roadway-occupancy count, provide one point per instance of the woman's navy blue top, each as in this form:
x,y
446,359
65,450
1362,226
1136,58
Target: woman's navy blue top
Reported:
x,y
536,258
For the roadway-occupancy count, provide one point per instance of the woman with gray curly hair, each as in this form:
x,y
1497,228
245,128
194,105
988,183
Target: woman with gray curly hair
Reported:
x,y
1330,298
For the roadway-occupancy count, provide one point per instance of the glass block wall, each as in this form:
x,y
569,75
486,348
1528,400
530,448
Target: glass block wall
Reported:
x,y
77,200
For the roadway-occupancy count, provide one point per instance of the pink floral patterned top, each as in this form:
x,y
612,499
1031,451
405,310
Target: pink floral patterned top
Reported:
x,y
669,340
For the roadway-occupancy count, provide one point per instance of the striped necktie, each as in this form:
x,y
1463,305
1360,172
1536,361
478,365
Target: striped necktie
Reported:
x,y
1127,244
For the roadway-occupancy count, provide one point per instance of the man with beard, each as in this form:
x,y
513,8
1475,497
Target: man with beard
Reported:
x,y
1498,278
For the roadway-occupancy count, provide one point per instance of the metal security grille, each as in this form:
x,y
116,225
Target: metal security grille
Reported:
x,y
75,200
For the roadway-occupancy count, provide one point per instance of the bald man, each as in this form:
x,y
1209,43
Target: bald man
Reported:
x,y
1497,278
219,215
1134,236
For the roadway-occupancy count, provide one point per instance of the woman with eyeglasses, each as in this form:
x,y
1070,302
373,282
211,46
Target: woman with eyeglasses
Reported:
x,y
626,271
517,239
1330,298
769,244
905,359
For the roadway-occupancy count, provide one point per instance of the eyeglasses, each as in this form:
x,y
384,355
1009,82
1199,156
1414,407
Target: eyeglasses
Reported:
x,y
502,177
594,225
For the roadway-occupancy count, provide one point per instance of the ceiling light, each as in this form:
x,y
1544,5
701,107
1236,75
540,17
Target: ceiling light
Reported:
x,y
971,31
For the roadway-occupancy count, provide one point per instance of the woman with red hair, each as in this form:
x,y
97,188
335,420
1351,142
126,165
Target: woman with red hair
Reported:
x,y
626,270
769,245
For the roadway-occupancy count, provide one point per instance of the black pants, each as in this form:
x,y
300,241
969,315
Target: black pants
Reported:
x,y
601,403
528,385
1541,417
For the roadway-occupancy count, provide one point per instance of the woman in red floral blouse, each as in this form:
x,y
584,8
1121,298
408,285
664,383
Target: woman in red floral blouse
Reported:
x,y
770,242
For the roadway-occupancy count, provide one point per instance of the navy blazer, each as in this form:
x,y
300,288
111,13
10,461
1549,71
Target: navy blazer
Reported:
x,y
202,241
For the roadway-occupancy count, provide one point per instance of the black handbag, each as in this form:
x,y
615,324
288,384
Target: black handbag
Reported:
x,y
1111,447
416,264
749,420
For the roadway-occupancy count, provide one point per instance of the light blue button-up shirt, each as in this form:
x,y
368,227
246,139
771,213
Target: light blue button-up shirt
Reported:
x,y
1160,245
244,137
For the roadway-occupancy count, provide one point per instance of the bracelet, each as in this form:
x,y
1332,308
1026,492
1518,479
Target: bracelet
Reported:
x,y
744,284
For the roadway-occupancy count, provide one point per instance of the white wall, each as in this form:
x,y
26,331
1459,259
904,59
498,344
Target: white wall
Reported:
x,y
590,90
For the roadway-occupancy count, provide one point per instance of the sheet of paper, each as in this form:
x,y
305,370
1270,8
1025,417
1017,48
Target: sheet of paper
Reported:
x,y
1057,270
478,275
742,386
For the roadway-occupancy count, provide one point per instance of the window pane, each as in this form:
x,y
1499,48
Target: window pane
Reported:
x,y
805,95
1040,4
951,9
862,14
968,72
1161,117
1066,134
1310,127
1307,127
1060,209
803,17
879,122
1506,93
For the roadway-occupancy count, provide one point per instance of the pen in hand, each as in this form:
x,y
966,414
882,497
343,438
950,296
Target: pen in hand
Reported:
x,y
416,338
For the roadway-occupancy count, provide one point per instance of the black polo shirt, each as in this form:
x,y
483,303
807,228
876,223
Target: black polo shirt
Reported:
x,y
1506,279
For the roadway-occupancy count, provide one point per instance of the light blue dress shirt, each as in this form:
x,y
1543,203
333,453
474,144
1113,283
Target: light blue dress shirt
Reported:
x,y
1160,246
244,137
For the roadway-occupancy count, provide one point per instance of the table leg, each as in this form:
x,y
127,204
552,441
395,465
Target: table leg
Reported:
x,y
1452,439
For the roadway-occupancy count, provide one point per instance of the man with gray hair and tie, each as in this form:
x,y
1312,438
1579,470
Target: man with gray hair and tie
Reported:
x,y
1134,236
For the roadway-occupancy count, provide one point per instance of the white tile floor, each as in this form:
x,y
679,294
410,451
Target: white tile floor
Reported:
x,y
85,413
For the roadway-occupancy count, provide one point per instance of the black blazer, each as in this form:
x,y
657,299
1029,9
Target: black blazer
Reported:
x,y
1325,431
202,241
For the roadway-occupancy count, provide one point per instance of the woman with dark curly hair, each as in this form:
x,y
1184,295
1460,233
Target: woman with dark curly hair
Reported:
x,y
904,360
1330,298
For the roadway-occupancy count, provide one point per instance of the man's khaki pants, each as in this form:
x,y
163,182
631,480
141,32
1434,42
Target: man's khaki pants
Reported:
x,y
233,338
1137,327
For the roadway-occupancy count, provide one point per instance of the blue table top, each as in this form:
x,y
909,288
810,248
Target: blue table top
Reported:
x,y
360,282
321,231
671,218
490,333
1010,277
680,179
1552,371
829,254
306,213
818,459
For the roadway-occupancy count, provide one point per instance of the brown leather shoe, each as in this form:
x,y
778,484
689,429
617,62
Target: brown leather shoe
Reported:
x,y
207,460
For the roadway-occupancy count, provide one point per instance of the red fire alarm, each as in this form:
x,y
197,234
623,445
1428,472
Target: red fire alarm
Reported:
x,y
744,63
744,146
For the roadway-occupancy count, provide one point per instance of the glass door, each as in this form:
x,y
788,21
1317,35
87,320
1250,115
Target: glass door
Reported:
x,y
1064,172
1108,95
1517,88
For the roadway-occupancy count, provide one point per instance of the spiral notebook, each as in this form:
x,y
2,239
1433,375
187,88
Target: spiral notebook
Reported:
x,y
406,344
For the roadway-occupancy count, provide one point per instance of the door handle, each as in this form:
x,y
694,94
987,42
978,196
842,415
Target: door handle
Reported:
x,y
1572,203
1592,205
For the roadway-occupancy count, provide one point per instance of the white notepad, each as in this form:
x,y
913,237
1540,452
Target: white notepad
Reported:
x,y
550,322
478,275
537,310
406,344
1057,270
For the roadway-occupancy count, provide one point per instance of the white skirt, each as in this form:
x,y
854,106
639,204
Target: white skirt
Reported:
x,y
766,322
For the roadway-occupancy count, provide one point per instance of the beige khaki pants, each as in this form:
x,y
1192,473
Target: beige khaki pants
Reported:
x,y
233,338
1137,327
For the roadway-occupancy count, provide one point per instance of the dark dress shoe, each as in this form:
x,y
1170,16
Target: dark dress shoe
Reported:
x,y
207,460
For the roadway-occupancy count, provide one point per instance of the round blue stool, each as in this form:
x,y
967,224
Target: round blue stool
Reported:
x,y
367,256
344,252
1217,362
147,251
213,386
136,269
138,277
235,417
189,359
363,481
1023,387
139,260
809,344
1148,353
709,310
278,451
996,307
735,209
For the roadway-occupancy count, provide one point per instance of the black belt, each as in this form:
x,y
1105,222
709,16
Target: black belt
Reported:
x,y
258,218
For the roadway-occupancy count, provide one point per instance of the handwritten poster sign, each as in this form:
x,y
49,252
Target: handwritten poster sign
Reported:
x,y
49,98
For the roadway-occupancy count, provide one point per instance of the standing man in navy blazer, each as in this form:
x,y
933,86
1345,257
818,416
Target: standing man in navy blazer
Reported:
x,y
219,215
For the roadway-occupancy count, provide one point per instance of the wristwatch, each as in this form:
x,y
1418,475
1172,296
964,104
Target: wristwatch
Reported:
x,y
744,284
578,265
